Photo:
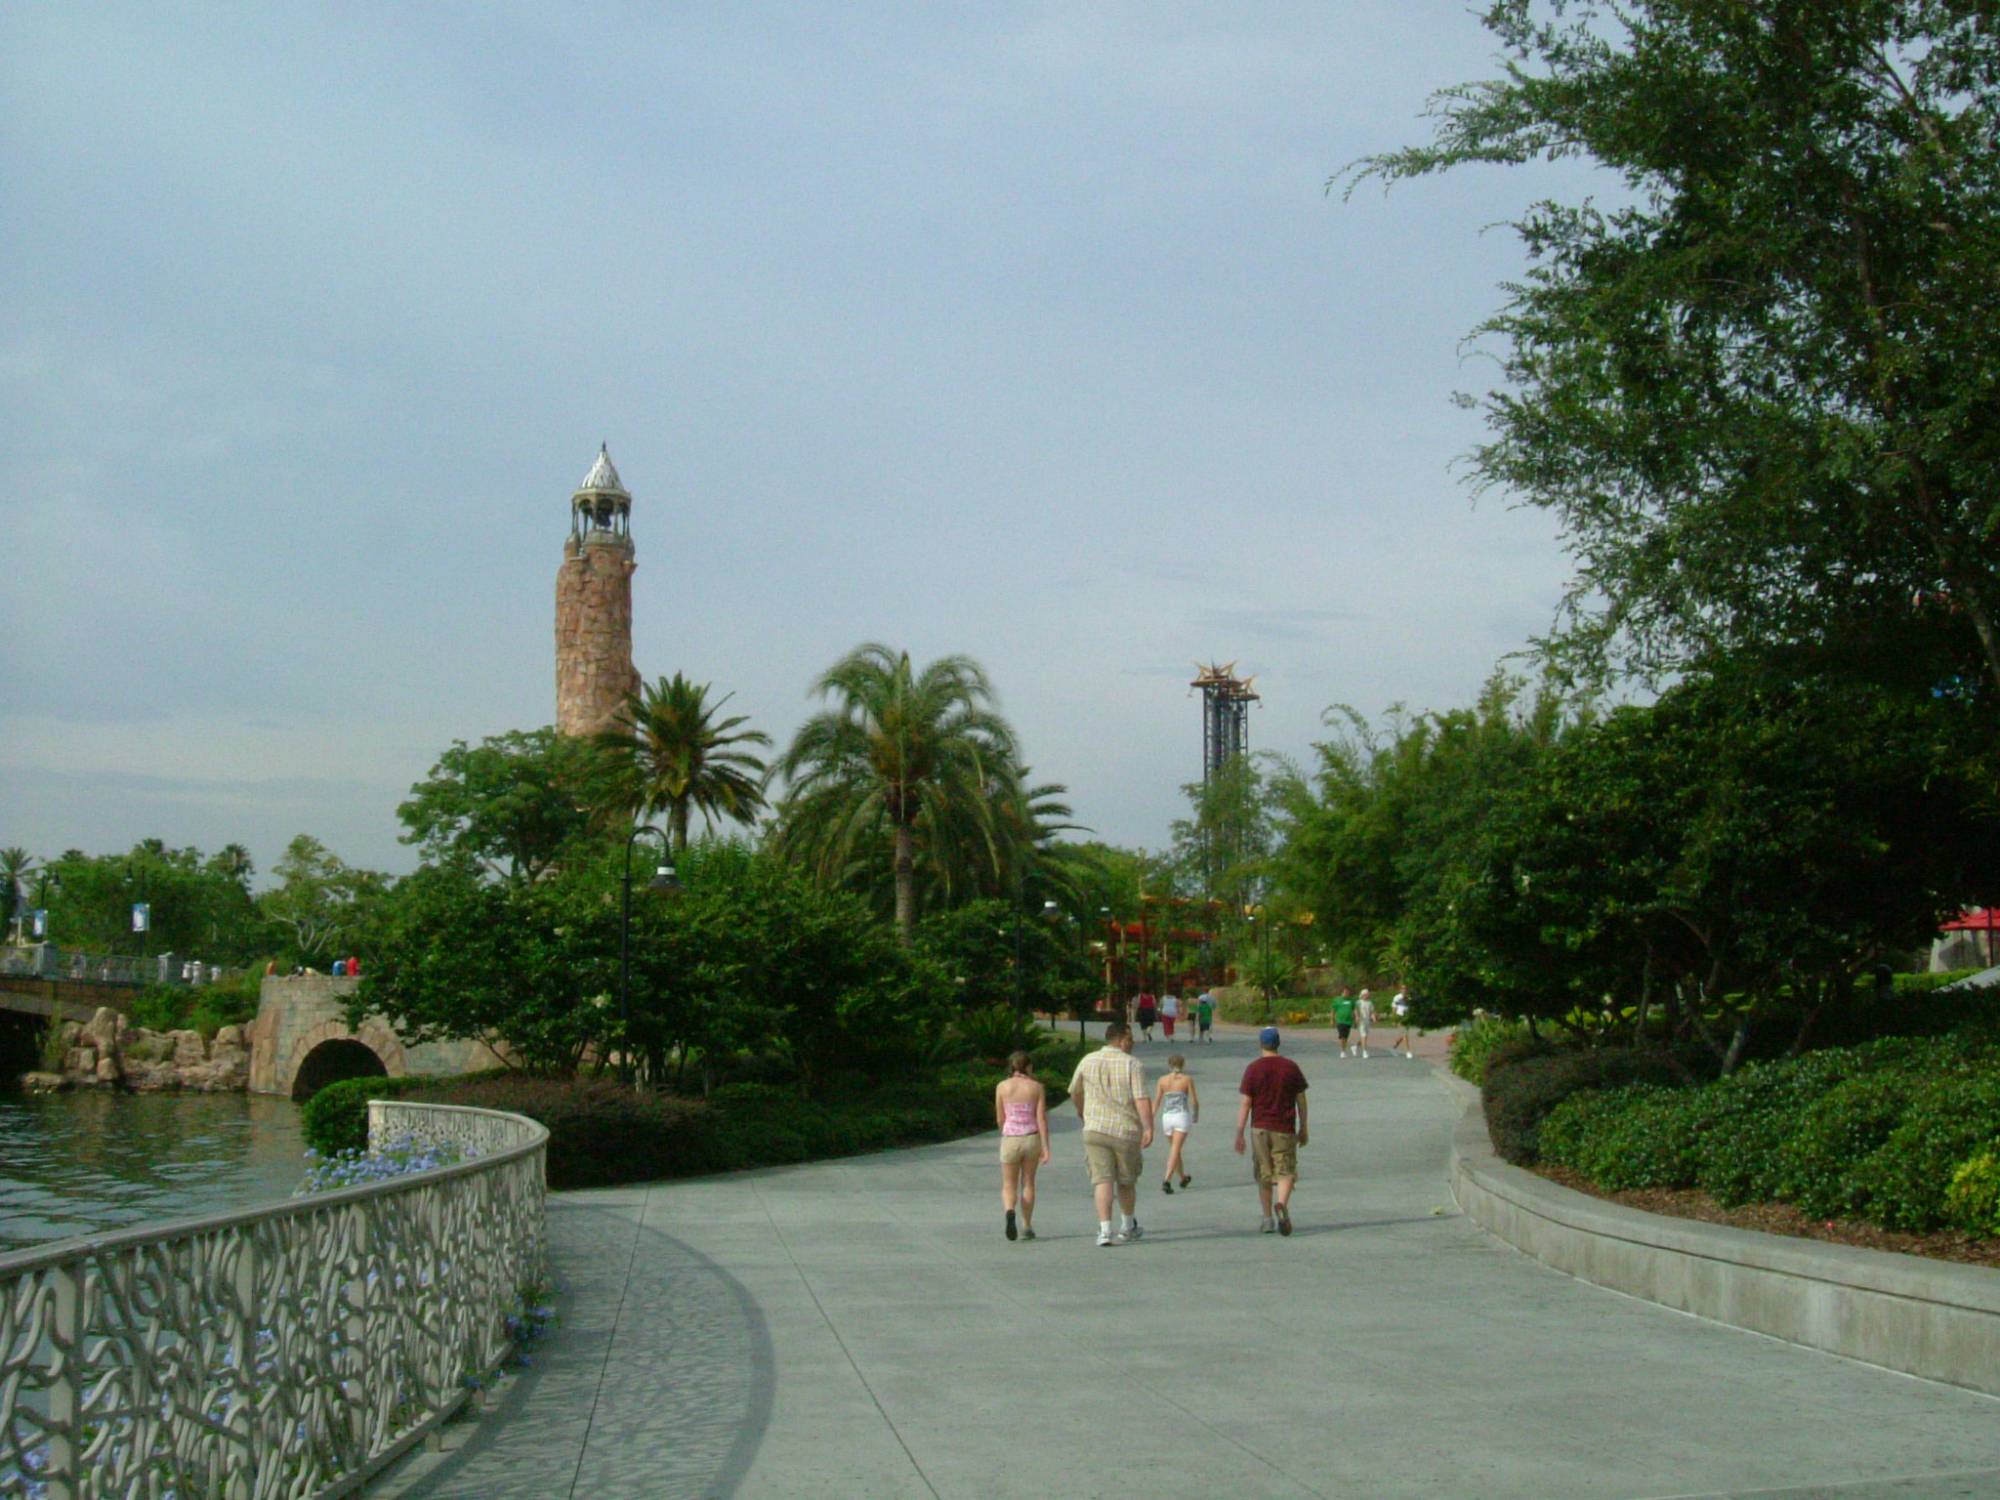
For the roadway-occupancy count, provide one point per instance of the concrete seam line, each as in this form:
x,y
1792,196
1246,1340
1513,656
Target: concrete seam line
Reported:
x,y
846,1353
1825,1489
610,1343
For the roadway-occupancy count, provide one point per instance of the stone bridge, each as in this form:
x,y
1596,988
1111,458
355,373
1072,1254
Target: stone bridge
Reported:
x,y
301,1042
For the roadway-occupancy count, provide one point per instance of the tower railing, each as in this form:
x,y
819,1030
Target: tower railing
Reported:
x,y
289,1350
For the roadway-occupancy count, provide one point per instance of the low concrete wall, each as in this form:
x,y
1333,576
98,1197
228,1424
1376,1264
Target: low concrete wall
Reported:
x,y
1930,1318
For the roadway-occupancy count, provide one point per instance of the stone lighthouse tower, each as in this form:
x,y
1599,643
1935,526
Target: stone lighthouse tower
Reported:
x,y
594,671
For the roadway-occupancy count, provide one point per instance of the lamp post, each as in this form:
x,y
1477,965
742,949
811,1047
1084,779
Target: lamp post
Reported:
x,y
664,880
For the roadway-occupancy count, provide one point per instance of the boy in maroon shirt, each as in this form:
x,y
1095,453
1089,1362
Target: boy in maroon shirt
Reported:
x,y
1274,1106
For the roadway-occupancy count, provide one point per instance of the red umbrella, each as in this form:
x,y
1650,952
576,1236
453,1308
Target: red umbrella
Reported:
x,y
1979,919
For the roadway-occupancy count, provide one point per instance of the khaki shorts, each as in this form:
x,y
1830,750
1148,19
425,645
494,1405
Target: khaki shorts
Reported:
x,y
1112,1159
1275,1155
1021,1147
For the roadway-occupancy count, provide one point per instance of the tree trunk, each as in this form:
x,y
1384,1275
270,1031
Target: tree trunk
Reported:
x,y
678,824
906,884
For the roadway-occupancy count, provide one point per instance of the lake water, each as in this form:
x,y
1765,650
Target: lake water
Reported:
x,y
84,1162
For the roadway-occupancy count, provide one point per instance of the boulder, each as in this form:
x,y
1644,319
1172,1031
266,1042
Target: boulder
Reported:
x,y
105,1030
230,1036
151,1077
80,1060
107,1070
44,1083
188,1051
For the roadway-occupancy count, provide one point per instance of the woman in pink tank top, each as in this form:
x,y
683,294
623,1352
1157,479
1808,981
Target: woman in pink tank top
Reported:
x,y
1021,1110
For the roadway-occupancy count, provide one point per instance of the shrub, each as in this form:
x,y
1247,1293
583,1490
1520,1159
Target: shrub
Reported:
x,y
1639,1137
1972,1201
1474,1043
1519,1098
600,1131
993,1031
1950,1117
335,1120
1815,1166
161,1007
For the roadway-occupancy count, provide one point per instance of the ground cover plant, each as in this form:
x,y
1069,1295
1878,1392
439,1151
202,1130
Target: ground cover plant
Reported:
x,y
1903,1132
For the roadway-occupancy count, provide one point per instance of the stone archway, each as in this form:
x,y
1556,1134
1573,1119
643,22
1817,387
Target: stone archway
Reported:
x,y
331,1061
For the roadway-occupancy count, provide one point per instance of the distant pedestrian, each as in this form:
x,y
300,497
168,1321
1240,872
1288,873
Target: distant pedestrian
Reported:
x,y
1147,1012
1399,1007
1273,1105
354,968
270,967
1364,1021
1343,1016
1170,1010
1204,1015
1021,1109
1176,1107
1109,1091
340,968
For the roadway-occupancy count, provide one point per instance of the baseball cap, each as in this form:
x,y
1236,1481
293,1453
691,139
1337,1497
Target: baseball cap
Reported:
x,y
1268,1037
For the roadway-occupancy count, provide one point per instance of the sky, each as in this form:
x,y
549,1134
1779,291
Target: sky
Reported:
x,y
1029,332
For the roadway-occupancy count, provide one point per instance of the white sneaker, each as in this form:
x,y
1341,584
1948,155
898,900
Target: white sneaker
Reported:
x,y
1268,1226
1364,1051
1104,1239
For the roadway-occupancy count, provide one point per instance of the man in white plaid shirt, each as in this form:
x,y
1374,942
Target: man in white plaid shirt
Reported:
x,y
1109,1091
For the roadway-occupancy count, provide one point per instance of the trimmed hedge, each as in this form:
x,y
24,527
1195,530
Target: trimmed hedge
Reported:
x,y
336,1118
602,1133
1884,1132
1520,1096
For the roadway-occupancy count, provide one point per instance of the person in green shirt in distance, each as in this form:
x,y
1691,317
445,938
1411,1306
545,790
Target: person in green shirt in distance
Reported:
x,y
1343,1015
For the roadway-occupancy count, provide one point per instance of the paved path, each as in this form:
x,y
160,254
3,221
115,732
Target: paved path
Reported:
x,y
861,1328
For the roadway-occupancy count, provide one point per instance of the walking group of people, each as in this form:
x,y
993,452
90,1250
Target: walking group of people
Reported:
x,y
1145,1011
1354,1018
1120,1119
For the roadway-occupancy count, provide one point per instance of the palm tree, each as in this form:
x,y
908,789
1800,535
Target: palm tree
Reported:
x,y
670,754
909,753
15,863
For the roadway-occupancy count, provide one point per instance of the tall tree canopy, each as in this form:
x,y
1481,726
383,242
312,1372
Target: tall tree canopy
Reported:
x,y
507,806
900,758
1760,387
671,753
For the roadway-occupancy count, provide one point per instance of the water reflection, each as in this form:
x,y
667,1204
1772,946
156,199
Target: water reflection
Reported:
x,y
80,1163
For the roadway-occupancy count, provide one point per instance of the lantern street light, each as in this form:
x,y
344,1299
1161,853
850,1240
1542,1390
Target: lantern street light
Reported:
x,y
667,883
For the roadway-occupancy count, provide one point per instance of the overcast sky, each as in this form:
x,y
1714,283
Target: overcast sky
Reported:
x,y
1028,332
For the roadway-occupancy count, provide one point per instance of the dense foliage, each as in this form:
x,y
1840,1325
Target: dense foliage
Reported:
x,y
1900,1131
1759,385
602,1133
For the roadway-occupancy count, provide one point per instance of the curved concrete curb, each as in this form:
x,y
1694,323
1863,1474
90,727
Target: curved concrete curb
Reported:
x,y
1934,1319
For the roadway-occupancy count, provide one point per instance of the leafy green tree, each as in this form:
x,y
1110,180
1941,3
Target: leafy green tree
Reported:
x,y
901,759
1759,391
508,806
320,901
196,909
749,958
670,753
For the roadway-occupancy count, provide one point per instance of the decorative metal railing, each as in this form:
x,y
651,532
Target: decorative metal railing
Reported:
x,y
290,1350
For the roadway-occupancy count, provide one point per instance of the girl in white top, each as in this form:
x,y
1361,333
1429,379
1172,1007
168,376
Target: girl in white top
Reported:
x,y
1364,1020
1021,1110
1176,1106
1400,1009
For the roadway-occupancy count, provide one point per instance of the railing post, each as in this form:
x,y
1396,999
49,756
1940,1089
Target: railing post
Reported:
x,y
242,1465
66,1338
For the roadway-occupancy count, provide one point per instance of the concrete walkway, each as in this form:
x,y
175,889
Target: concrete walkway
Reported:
x,y
861,1328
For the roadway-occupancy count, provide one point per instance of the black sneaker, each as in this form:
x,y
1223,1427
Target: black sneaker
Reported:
x,y
1185,1179
1011,1232
1166,1186
1284,1219
1027,1234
